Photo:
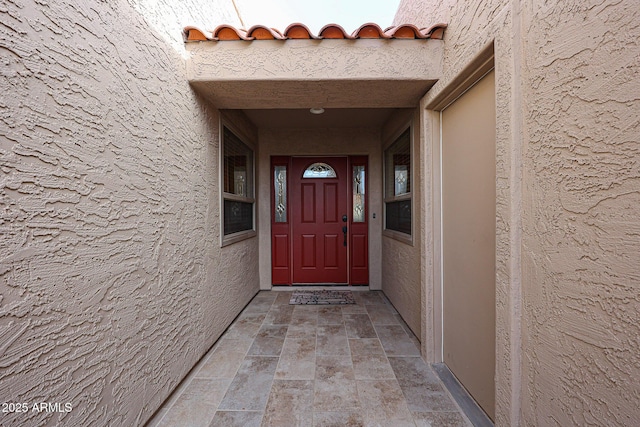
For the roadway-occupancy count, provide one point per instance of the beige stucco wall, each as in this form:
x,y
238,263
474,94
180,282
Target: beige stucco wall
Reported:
x,y
326,142
401,257
298,73
568,205
582,214
112,280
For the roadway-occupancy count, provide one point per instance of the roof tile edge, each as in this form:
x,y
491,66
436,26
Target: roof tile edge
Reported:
x,y
262,32
334,31
435,32
297,30
370,30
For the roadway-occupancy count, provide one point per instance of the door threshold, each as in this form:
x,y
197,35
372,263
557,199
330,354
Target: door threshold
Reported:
x,y
320,287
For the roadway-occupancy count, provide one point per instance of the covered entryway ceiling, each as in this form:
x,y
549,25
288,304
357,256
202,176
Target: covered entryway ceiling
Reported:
x,y
361,73
332,117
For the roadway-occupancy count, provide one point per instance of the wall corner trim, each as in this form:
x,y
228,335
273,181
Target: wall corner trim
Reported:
x,y
480,65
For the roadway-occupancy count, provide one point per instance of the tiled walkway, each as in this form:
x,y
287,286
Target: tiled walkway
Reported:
x,y
305,365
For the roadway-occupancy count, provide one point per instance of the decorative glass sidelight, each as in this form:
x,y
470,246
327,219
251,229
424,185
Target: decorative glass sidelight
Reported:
x,y
319,170
358,193
280,182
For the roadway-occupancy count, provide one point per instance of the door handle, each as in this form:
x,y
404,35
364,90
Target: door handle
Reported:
x,y
344,231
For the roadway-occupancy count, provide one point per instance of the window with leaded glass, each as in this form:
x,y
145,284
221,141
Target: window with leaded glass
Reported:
x,y
398,184
237,186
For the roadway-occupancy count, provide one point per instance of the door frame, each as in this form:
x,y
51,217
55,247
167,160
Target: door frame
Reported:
x,y
282,231
508,163
468,175
432,342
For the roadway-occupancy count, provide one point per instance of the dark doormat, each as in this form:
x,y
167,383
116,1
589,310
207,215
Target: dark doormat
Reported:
x,y
322,297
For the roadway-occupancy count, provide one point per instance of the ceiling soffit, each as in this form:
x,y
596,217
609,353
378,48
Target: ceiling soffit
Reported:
x,y
328,72
331,118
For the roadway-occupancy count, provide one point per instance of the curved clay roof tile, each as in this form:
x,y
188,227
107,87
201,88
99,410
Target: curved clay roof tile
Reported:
x,y
261,32
435,31
370,31
298,31
333,31
229,32
194,33
406,31
301,31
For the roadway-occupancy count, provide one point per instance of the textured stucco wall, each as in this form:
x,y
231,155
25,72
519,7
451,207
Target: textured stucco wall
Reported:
x,y
582,214
298,73
402,260
112,280
568,204
326,142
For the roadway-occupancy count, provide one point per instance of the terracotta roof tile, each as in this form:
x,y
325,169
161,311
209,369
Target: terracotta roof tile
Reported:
x,y
435,31
298,31
333,31
370,31
229,32
406,31
301,31
260,32
196,34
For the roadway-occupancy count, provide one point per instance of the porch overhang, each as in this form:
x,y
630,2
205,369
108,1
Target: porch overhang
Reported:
x,y
304,73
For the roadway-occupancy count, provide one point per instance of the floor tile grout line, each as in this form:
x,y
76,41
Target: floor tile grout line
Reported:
x,y
177,393
315,374
184,384
404,395
358,384
246,353
355,380
266,316
266,404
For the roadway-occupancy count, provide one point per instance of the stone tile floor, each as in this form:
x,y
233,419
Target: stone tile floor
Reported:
x,y
313,365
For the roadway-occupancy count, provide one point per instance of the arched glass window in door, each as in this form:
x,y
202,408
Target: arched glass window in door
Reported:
x,y
319,170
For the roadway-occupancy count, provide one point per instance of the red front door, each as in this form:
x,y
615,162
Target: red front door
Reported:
x,y
319,188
